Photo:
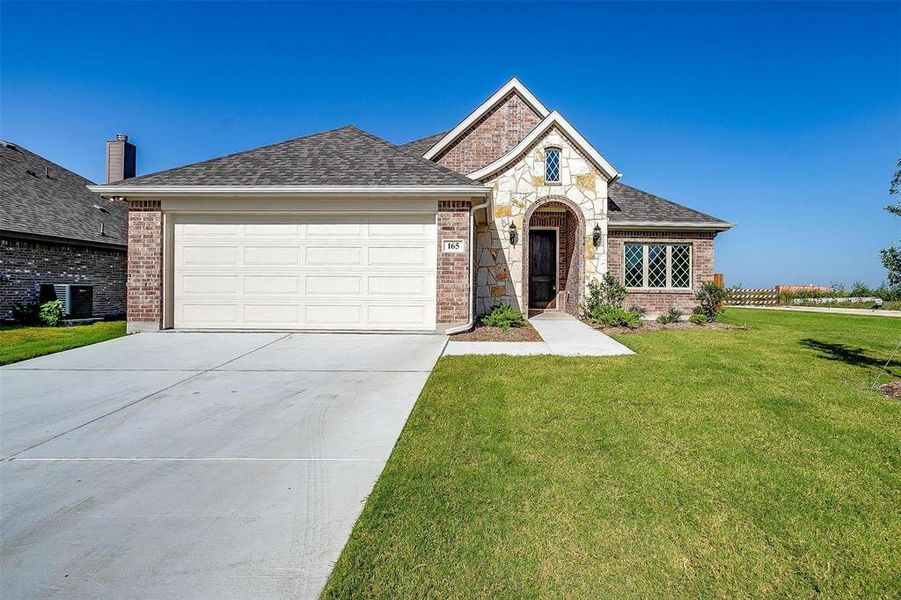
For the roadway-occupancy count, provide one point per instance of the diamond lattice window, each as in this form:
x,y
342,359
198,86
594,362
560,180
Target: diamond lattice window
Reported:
x,y
680,265
656,266
634,265
552,164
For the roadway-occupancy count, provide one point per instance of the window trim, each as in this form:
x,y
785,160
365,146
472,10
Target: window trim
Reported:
x,y
668,254
559,152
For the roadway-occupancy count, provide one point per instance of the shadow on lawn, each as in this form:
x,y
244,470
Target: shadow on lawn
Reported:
x,y
849,355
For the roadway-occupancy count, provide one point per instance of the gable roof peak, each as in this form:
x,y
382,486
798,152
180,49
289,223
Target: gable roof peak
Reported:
x,y
514,85
554,119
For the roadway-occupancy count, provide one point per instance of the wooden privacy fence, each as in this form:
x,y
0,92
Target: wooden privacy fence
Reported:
x,y
753,297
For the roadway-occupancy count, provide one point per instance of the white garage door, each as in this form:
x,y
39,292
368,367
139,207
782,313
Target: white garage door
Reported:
x,y
312,272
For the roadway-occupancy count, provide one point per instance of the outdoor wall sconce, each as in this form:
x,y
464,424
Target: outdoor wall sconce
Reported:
x,y
514,234
596,235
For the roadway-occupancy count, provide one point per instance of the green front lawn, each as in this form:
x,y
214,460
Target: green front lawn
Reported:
x,y
714,463
20,343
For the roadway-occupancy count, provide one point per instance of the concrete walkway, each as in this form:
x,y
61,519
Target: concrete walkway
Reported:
x,y
563,335
836,311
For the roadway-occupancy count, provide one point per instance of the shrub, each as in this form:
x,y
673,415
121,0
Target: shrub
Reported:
x,y
859,289
888,293
710,300
609,292
614,316
504,316
51,313
671,316
27,313
699,319
639,310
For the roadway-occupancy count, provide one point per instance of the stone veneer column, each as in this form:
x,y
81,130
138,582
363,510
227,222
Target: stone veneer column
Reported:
x,y
145,266
453,288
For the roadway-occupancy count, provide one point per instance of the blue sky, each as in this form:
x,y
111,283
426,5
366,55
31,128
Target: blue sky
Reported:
x,y
785,118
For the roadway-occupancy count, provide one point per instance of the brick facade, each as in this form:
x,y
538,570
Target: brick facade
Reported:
x,y
659,301
145,265
25,264
491,136
453,287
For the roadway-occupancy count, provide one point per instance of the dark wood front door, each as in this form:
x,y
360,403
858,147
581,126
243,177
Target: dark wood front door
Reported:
x,y
542,268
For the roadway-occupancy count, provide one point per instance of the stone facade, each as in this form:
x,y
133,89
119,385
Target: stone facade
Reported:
x,y
491,136
517,192
659,301
145,265
25,264
453,288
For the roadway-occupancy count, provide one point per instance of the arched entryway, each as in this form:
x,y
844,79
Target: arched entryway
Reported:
x,y
553,259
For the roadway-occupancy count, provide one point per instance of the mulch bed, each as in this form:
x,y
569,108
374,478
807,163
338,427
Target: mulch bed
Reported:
x,y
647,326
892,390
483,333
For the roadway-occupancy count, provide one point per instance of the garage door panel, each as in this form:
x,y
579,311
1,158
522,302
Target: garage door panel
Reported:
x,y
209,255
322,272
333,314
401,256
271,314
334,256
210,284
271,230
207,312
396,315
331,285
392,285
277,285
206,229
334,230
271,255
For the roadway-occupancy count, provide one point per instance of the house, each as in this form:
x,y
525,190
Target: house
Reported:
x,y
53,230
342,230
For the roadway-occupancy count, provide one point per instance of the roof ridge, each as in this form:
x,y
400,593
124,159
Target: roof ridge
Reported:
x,y
697,212
423,138
240,152
432,164
16,147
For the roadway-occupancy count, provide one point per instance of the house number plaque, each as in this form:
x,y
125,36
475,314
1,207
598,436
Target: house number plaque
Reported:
x,y
452,246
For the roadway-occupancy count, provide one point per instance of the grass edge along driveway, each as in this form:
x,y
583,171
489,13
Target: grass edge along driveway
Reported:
x,y
714,463
21,343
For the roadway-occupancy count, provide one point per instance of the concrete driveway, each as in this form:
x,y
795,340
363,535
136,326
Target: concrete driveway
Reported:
x,y
196,465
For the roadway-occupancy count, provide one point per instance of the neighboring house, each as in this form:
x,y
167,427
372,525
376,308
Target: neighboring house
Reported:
x,y
53,230
344,231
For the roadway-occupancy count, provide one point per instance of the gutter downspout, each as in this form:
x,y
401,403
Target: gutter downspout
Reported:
x,y
469,272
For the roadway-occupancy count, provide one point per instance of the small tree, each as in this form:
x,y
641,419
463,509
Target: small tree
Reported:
x,y
609,292
891,256
710,300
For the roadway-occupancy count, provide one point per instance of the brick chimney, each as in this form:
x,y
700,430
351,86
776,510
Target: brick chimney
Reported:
x,y
120,159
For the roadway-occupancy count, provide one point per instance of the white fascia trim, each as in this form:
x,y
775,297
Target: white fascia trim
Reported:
x,y
549,121
513,84
306,190
703,225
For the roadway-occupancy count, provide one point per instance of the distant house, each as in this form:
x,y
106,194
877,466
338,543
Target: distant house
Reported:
x,y
54,231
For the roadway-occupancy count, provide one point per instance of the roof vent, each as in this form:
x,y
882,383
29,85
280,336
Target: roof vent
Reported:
x,y
121,137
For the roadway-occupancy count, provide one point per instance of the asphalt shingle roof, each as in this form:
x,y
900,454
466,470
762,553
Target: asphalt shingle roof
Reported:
x,y
626,204
41,198
422,145
346,156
